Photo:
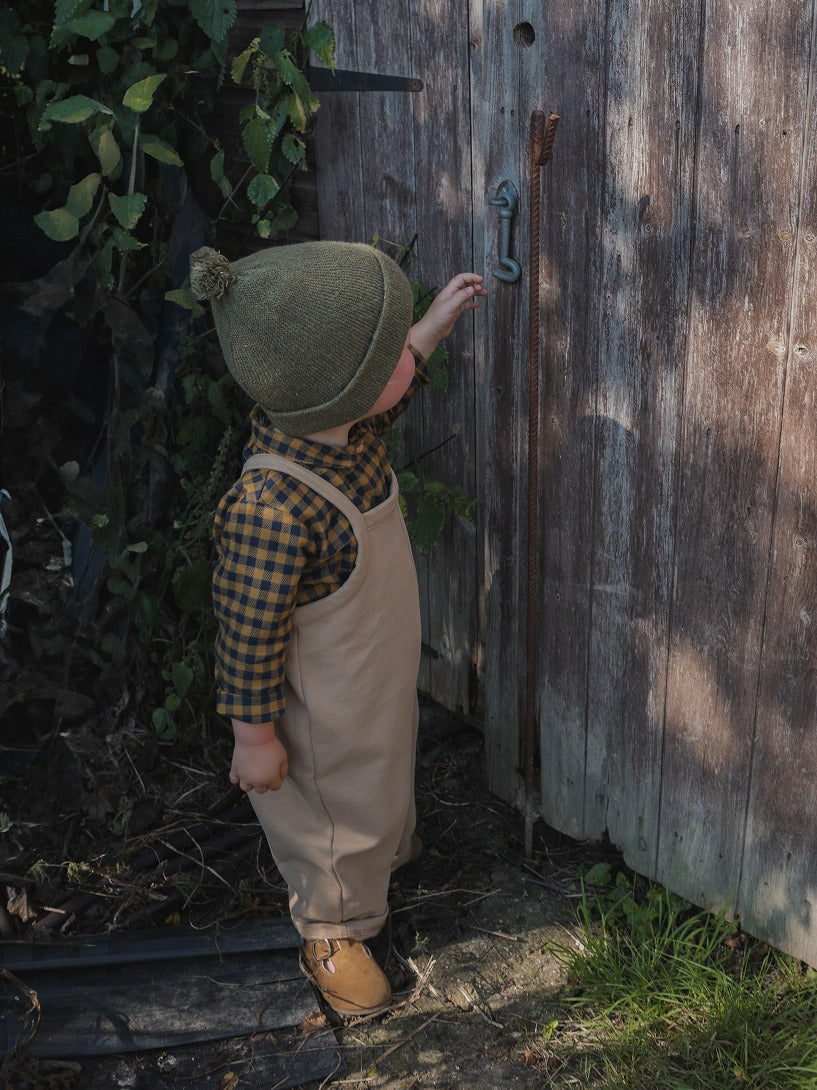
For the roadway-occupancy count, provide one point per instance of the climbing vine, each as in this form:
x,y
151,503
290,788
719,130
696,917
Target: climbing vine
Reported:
x,y
121,151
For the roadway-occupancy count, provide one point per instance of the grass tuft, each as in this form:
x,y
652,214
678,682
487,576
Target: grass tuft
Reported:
x,y
668,996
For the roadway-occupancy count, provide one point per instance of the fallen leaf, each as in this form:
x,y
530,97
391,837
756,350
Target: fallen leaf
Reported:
x,y
313,1021
17,904
229,1080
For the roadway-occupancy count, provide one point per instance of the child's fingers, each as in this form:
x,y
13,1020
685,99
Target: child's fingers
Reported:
x,y
462,282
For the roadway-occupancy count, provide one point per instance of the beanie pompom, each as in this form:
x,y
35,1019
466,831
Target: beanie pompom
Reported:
x,y
210,273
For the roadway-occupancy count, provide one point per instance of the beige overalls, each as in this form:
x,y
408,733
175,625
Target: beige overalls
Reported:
x,y
345,813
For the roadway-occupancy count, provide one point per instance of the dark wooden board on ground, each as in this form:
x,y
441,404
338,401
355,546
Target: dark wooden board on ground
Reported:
x,y
170,989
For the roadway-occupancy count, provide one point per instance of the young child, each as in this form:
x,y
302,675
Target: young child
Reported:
x,y
315,593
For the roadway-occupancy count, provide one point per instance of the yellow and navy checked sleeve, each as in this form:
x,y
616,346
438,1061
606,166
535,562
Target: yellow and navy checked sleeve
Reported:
x,y
261,555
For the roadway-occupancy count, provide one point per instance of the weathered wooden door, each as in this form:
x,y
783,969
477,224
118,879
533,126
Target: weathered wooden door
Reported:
x,y
396,167
677,567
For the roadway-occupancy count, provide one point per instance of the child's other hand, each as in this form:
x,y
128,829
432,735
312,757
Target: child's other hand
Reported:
x,y
259,757
460,294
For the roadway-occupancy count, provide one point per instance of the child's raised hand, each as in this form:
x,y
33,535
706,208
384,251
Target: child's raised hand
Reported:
x,y
460,294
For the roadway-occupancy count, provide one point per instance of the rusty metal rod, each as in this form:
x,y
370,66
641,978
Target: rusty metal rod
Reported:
x,y
542,135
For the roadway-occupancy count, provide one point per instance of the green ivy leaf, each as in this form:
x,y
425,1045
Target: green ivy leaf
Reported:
x,y
407,480
599,875
278,117
258,143
163,724
70,111
427,525
321,40
127,209
293,148
296,112
184,297
139,96
286,219
108,152
191,588
240,62
215,17
262,189
218,175
113,647
69,9
182,677
294,78
125,242
263,227
166,50
59,224
81,196
107,59
103,263
161,150
14,53
91,25
272,40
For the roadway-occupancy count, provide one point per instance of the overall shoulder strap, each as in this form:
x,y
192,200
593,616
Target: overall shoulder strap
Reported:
x,y
300,473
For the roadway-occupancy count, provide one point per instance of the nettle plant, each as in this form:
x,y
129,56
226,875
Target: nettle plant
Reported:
x,y
112,114
108,92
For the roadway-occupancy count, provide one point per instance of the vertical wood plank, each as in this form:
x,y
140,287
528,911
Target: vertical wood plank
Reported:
x,y
442,168
651,65
496,86
778,890
746,201
338,152
570,40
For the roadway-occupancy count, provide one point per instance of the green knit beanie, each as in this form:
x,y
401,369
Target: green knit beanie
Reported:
x,y
312,332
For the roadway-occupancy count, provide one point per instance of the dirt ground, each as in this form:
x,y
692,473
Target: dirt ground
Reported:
x,y
466,946
102,827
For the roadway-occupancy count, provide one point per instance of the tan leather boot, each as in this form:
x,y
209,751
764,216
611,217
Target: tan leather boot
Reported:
x,y
349,978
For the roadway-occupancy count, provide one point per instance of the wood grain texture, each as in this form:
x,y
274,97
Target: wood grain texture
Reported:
x,y
570,274
746,203
651,77
443,202
391,166
338,153
155,1004
85,951
678,475
777,895
497,81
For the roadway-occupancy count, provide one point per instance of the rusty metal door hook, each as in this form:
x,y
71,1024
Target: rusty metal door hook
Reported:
x,y
506,201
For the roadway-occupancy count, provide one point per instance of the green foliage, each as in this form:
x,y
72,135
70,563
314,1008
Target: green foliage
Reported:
x,y
275,123
663,994
106,89
104,108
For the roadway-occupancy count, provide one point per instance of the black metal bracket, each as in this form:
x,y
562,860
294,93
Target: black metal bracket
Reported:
x,y
323,80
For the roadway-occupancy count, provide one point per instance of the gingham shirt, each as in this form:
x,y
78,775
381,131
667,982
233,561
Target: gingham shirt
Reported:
x,y
280,545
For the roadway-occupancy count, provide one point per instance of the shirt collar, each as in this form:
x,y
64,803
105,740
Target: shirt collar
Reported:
x,y
267,439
